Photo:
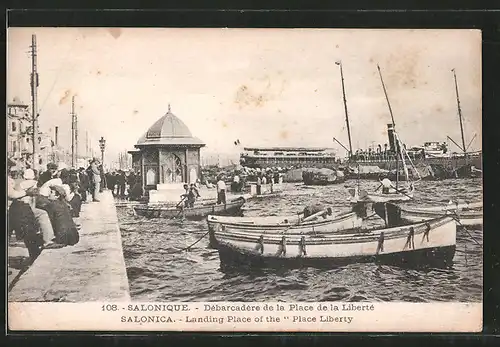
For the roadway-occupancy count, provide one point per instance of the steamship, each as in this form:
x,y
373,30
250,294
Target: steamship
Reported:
x,y
264,157
432,154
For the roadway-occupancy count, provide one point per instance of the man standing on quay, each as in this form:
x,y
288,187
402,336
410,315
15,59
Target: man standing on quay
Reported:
x,y
221,191
96,179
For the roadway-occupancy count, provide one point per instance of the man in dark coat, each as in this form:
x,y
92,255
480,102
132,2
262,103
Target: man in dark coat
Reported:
x,y
22,220
84,183
136,192
111,182
131,179
65,229
121,181
47,175
90,175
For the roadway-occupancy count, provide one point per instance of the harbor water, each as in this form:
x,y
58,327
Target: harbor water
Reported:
x,y
158,269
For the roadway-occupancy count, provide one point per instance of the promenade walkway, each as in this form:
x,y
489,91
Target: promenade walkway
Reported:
x,y
92,270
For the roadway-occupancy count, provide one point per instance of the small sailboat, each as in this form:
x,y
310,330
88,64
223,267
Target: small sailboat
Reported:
x,y
390,192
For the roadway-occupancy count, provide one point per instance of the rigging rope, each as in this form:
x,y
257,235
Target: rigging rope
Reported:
x,y
457,219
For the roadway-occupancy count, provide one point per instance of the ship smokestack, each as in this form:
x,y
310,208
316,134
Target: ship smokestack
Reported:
x,y
56,136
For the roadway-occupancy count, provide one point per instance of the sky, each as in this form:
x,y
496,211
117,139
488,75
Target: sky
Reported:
x,y
265,87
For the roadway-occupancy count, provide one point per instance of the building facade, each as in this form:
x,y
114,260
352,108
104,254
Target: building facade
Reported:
x,y
19,145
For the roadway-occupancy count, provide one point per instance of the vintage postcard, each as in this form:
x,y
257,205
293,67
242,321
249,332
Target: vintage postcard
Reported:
x,y
316,180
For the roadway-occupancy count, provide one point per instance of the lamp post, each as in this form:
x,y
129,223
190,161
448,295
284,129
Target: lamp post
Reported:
x,y
102,146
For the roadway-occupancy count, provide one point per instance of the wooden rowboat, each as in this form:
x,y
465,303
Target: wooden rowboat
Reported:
x,y
430,243
198,212
468,214
285,225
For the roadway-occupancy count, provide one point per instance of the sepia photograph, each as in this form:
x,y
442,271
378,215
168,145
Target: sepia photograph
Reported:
x,y
314,172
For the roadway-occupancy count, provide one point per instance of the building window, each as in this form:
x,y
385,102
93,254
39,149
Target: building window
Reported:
x,y
151,177
13,126
178,169
14,146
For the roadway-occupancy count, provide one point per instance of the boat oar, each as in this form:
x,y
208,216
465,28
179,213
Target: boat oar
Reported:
x,y
314,216
370,216
457,219
180,202
180,211
401,192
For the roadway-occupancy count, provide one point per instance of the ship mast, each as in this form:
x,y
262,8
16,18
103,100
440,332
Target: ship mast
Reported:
x,y
339,63
464,149
398,147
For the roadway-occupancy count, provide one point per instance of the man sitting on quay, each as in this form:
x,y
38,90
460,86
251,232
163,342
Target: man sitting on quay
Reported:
x,y
65,229
26,218
21,218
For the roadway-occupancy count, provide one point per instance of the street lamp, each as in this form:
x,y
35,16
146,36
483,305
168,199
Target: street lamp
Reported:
x,y
102,146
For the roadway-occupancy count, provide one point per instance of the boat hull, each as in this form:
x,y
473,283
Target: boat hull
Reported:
x,y
323,182
232,258
432,242
129,204
196,213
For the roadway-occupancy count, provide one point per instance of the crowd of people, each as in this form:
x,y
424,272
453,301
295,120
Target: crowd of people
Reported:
x,y
43,208
124,184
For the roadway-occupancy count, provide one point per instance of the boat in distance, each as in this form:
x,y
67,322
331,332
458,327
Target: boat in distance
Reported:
x,y
468,214
198,212
432,242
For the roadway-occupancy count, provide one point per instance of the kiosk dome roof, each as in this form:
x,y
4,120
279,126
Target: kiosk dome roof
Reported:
x,y
169,130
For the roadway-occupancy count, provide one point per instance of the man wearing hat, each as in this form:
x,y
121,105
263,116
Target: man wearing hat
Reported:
x,y
42,218
47,175
65,229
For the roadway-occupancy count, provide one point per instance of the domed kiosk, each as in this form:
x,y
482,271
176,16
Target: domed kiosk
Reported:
x,y
167,156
